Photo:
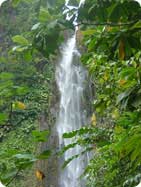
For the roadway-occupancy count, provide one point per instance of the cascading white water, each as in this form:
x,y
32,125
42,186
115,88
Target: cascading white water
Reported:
x,y
70,79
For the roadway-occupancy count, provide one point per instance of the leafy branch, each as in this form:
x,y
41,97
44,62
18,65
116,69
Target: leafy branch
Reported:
x,y
107,24
13,178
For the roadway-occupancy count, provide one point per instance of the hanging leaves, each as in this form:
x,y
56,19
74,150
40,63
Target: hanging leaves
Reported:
x,y
93,119
121,50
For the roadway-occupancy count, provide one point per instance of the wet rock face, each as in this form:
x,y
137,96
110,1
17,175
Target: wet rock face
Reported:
x,y
47,122
49,166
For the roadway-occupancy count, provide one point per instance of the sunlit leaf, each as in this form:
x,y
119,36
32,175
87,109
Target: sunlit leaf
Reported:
x,y
44,16
40,175
3,117
40,136
20,40
15,2
6,76
24,156
19,105
93,119
36,26
122,82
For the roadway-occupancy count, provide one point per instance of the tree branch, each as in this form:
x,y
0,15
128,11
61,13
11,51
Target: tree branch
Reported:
x,y
107,24
13,177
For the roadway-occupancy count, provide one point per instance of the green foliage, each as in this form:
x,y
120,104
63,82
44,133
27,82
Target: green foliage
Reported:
x,y
25,91
44,155
13,149
111,37
20,40
40,136
112,58
18,154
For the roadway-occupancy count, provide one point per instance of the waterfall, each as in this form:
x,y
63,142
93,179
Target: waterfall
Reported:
x,y
70,79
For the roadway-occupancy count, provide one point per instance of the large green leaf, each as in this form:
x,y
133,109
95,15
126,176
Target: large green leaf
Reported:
x,y
36,26
124,95
20,40
21,90
15,2
80,131
44,15
3,118
8,174
6,76
24,160
44,155
64,149
40,136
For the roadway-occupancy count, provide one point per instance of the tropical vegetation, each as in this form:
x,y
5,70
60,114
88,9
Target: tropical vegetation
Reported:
x,y
110,39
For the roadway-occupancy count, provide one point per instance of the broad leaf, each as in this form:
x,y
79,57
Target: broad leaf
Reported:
x,y
44,155
40,136
20,40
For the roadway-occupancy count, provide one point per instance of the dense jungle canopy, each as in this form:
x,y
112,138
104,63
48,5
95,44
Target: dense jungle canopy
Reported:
x,y
109,38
